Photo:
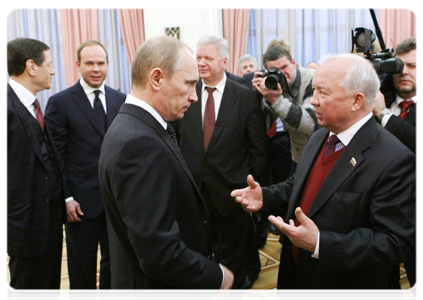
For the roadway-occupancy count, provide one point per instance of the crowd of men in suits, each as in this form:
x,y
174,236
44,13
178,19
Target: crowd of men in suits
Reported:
x,y
157,177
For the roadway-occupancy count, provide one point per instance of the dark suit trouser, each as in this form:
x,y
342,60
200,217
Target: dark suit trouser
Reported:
x,y
231,235
82,240
41,272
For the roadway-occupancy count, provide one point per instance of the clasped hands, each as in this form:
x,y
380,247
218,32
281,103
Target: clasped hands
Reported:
x,y
303,236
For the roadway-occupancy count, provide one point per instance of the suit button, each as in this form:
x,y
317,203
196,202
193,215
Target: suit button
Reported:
x,y
47,200
204,223
46,178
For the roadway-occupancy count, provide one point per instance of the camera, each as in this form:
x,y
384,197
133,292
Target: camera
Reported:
x,y
384,61
273,77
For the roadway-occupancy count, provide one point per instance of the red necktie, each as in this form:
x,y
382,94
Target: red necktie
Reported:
x,y
39,114
209,117
405,106
271,132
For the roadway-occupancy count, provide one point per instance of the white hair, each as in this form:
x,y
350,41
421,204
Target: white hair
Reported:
x,y
360,77
221,44
246,57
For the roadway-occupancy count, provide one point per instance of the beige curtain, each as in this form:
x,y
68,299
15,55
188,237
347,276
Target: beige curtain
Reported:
x,y
396,25
235,24
132,25
77,26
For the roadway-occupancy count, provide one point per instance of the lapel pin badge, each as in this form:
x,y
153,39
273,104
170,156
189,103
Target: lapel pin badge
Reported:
x,y
353,161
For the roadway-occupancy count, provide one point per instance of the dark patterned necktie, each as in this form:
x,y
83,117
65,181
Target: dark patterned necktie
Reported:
x,y
331,145
209,118
405,106
99,111
172,134
39,114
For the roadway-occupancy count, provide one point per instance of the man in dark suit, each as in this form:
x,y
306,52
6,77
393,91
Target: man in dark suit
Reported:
x,y
350,205
35,203
221,148
158,222
79,117
396,110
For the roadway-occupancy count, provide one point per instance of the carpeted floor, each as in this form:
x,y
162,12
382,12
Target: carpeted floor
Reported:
x,y
269,256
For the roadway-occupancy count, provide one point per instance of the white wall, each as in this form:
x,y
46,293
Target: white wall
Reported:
x,y
194,23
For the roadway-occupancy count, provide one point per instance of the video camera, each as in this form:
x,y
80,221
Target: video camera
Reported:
x,y
384,61
273,77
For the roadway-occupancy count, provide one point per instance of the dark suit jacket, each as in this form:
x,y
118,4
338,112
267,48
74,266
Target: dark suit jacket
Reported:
x,y
236,78
78,136
157,220
27,183
404,130
365,213
237,147
249,78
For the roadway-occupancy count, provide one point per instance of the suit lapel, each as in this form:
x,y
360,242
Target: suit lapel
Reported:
x,y
229,98
148,119
28,123
304,167
347,163
81,100
112,108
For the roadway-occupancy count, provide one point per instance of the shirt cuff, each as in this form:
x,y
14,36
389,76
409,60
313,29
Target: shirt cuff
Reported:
x,y
316,251
69,199
223,274
385,119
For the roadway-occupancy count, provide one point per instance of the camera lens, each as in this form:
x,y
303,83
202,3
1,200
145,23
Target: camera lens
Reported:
x,y
271,82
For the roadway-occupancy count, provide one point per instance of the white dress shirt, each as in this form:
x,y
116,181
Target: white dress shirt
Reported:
x,y
91,96
217,96
25,96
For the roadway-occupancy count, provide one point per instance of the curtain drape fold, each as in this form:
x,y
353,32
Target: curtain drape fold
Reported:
x,y
236,24
396,25
77,26
132,26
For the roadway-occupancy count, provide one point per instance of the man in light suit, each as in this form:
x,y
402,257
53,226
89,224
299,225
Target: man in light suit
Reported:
x,y
222,150
79,117
35,204
158,222
399,89
351,205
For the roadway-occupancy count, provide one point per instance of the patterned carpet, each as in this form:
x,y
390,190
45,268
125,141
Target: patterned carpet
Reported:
x,y
269,257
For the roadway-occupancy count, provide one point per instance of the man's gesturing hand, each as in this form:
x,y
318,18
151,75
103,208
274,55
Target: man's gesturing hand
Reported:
x,y
251,197
303,236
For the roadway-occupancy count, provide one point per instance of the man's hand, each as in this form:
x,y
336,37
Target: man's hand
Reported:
x,y
228,278
251,197
379,104
73,209
303,236
260,86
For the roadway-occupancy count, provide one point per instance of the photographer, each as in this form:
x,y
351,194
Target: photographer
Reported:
x,y
395,106
395,109
291,103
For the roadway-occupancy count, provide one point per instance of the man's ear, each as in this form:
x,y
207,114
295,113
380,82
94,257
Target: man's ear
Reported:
x,y
358,101
31,67
155,76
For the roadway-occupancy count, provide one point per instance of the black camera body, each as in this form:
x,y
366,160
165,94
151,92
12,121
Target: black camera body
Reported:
x,y
384,61
273,77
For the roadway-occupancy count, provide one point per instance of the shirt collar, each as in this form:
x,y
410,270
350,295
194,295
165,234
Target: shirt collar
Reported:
x,y
347,135
138,102
220,86
399,99
25,96
88,89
